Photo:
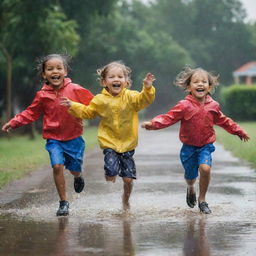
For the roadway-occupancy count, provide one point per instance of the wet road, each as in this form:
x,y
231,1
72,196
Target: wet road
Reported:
x,y
159,222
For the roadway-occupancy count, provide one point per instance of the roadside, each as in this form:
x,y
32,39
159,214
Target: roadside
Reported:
x,y
159,223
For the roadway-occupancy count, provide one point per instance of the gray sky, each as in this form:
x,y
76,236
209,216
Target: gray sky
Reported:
x,y
250,6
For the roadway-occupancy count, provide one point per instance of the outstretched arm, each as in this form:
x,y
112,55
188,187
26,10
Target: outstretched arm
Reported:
x,y
79,110
174,115
29,115
230,126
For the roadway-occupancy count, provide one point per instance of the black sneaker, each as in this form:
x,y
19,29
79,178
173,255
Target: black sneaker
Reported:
x,y
191,199
78,184
204,208
63,209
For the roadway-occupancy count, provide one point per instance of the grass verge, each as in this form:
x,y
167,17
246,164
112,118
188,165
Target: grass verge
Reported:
x,y
20,155
240,149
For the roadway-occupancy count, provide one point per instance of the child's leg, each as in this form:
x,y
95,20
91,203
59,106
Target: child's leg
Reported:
x,y
128,173
190,184
189,160
204,180
111,164
128,185
205,162
59,179
73,152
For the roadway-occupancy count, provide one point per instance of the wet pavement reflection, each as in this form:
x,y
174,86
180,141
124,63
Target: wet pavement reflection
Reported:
x,y
159,222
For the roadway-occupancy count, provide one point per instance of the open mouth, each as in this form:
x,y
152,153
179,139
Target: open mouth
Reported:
x,y
55,78
116,85
200,90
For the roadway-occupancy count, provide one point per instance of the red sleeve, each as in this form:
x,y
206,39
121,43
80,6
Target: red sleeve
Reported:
x,y
29,115
228,124
174,115
84,96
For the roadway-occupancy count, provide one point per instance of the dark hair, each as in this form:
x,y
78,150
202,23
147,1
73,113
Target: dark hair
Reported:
x,y
40,66
184,77
102,72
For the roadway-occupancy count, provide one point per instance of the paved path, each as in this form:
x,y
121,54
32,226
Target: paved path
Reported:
x,y
159,223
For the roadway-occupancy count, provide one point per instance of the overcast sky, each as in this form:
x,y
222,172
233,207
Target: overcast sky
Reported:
x,y
250,6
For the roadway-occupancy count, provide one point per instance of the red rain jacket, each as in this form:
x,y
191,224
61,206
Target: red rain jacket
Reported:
x,y
58,124
197,121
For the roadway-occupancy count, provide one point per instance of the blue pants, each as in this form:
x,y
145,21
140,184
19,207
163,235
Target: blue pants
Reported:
x,y
69,153
191,157
121,164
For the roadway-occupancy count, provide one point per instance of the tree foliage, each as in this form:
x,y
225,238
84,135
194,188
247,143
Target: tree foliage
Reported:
x,y
160,36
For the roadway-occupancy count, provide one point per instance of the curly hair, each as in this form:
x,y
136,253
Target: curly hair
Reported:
x,y
102,72
40,62
184,77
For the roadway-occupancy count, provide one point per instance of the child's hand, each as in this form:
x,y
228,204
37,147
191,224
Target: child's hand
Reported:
x,y
147,125
65,102
244,137
148,80
6,128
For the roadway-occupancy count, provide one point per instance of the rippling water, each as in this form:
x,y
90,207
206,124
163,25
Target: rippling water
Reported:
x,y
159,222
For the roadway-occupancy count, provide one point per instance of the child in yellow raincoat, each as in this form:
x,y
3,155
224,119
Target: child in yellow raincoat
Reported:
x,y
118,108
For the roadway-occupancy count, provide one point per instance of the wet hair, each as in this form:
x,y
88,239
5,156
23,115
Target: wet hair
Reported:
x,y
40,62
183,79
102,72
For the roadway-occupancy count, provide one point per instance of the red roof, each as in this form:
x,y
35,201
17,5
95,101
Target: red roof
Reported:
x,y
246,66
248,69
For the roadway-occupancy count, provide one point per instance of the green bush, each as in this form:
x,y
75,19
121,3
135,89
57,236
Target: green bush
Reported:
x,y
239,102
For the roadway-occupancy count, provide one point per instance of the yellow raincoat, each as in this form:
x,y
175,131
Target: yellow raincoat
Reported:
x,y
118,128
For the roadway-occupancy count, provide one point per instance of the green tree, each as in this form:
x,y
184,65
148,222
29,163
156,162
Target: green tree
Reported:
x,y
28,29
213,32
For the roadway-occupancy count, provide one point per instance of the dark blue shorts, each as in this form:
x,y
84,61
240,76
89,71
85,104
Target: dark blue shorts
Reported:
x,y
121,164
69,153
191,157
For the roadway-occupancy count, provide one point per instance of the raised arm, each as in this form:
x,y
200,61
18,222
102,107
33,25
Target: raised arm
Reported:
x,y
148,80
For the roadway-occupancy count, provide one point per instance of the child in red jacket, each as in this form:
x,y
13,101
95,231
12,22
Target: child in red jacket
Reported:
x,y
198,113
61,130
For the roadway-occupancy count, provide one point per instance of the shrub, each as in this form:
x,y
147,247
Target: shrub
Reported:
x,y
239,102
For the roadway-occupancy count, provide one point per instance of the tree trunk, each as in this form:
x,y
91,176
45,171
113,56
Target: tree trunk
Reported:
x,y
8,58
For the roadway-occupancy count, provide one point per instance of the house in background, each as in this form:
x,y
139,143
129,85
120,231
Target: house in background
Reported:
x,y
246,74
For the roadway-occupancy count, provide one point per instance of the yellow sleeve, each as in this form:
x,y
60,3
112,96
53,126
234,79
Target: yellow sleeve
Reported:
x,y
82,111
144,98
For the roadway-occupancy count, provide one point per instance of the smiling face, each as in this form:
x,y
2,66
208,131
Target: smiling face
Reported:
x,y
199,85
115,80
54,72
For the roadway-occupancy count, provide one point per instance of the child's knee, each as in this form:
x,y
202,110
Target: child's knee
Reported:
x,y
58,168
110,178
128,180
205,169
